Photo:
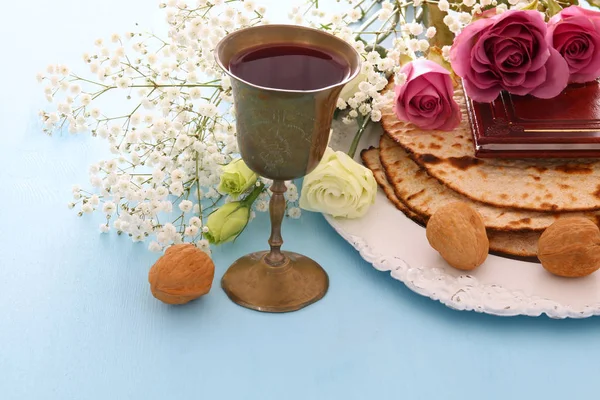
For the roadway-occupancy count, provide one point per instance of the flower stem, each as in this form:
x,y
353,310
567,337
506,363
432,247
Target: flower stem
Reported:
x,y
357,137
249,200
198,185
392,20
365,26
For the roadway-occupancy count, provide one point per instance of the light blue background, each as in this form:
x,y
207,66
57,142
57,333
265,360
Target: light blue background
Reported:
x,y
77,320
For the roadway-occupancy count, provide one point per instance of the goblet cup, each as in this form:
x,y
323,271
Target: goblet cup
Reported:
x,y
282,135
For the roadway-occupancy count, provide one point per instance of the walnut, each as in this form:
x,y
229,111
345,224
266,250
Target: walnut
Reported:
x,y
182,274
570,247
457,232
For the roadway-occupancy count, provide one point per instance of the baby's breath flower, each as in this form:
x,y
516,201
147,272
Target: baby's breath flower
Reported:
x,y
176,188
364,109
384,14
123,83
464,18
376,115
186,206
262,206
292,196
446,52
204,245
109,207
191,231
454,27
295,212
415,28
431,31
154,247
354,15
501,8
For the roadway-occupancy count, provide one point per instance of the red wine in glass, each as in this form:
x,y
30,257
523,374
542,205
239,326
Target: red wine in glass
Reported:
x,y
289,67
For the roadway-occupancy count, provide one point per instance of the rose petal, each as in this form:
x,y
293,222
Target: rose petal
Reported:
x,y
575,11
535,78
557,76
513,80
460,52
483,95
426,106
436,80
453,119
532,27
421,67
485,80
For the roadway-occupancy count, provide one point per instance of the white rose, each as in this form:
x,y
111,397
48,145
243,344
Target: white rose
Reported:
x,y
339,186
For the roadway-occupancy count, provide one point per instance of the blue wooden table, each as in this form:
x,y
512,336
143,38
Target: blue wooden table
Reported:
x,y
77,320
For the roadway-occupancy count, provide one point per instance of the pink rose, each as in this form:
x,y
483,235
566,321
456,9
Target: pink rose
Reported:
x,y
508,52
575,34
426,98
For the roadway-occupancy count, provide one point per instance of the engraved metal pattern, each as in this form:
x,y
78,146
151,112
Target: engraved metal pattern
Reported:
x,y
276,131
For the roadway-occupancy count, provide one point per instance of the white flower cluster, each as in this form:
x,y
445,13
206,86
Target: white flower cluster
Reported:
x,y
462,14
179,131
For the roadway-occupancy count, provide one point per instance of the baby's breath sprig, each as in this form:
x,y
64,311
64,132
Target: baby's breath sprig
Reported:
x,y
174,127
177,130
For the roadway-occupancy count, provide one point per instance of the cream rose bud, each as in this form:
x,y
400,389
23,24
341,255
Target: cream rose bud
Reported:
x,y
236,178
339,186
227,222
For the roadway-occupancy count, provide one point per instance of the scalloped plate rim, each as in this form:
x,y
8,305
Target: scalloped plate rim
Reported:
x,y
400,270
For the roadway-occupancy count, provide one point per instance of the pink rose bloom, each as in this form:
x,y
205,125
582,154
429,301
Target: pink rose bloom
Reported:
x,y
575,34
508,52
426,98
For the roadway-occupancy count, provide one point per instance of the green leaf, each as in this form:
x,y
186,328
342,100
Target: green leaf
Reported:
x,y
531,6
405,59
435,55
433,16
552,8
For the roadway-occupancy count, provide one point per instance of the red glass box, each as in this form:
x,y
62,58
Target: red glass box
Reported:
x,y
566,126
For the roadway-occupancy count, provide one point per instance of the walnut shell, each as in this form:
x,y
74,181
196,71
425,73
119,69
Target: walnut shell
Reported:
x,y
182,274
570,247
457,232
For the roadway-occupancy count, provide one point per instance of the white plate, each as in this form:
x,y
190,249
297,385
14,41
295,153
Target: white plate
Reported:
x,y
391,242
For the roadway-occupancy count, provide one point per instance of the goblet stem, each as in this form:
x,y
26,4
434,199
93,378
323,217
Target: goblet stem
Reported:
x,y
276,210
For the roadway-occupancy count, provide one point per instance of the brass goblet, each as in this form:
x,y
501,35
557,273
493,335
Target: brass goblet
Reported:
x,y
282,135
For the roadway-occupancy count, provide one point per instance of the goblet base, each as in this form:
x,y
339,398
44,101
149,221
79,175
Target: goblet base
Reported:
x,y
297,283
